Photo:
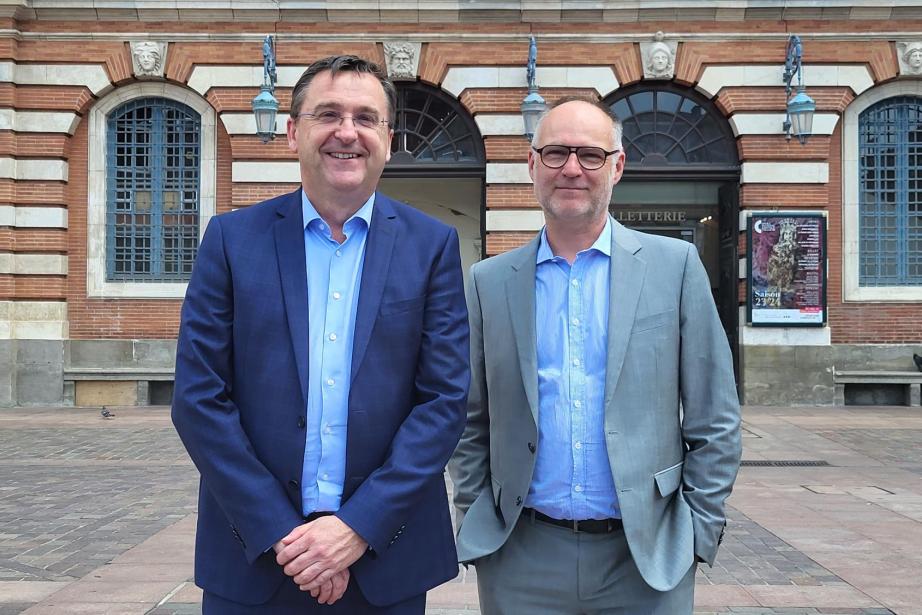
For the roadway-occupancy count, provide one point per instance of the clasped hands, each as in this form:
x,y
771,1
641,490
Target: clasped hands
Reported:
x,y
317,556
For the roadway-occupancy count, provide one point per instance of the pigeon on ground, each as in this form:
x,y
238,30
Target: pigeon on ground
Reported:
x,y
918,361
106,414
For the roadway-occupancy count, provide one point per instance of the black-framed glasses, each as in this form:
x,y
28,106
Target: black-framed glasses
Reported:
x,y
590,158
334,118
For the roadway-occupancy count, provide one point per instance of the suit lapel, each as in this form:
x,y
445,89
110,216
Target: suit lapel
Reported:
x,y
520,298
378,249
289,246
627,278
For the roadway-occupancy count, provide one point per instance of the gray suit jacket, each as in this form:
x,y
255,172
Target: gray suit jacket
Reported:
x,y
673,468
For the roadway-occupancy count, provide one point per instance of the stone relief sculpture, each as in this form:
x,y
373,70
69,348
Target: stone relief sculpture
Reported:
x,y
148,58
658,58
402,60
910,58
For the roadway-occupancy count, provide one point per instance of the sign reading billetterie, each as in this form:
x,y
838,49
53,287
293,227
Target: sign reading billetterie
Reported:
x,y
787,269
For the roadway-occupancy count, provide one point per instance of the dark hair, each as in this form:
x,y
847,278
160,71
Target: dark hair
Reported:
x,y
346,64
616,123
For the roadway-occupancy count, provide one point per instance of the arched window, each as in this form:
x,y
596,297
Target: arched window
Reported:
x,y
890,193
152,190
432,132
667,128
882,194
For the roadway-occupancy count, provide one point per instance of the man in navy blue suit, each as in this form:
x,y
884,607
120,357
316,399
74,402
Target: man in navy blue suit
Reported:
x,y
322,375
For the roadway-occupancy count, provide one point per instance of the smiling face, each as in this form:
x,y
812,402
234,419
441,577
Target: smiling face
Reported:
x,y
572,193
341,163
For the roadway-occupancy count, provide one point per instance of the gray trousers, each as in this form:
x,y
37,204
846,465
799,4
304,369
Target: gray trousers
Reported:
x,y
543,569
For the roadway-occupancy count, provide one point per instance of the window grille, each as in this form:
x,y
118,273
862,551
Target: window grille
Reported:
x,y
152,190
890,193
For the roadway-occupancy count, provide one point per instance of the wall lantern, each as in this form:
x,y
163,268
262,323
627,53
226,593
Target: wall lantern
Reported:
x,y
265,105
798,118
533,106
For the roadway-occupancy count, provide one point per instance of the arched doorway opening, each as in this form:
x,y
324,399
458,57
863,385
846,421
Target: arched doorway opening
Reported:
x,y
682,179
438,163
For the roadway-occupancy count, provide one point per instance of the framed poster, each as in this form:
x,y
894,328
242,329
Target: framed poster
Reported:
x,y
786,277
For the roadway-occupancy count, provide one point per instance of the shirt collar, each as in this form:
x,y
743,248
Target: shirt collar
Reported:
x,y
309,214
602,244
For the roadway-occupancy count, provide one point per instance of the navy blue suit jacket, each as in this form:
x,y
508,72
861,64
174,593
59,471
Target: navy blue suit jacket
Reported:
x,y
241,385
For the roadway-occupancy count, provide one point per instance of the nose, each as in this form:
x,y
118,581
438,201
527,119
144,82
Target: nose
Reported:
x,y
346,131
572,168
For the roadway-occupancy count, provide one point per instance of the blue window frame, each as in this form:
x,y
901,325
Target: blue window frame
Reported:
x,y
153,156
890,193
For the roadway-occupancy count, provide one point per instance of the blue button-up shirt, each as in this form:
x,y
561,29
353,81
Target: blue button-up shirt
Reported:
x,y
334,274
572,478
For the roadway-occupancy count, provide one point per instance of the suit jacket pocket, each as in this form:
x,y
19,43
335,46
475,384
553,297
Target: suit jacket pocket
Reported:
x,y
668,480
653,321
403,305
497,490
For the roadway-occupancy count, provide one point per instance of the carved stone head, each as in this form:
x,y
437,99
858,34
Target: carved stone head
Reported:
x,y
148,58
658,58
402,60
910,57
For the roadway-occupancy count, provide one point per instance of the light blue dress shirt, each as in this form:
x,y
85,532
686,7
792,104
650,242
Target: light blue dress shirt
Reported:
x,y
572,478
334,274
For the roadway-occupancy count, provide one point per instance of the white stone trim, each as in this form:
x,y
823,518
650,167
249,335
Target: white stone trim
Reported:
x,y
784,173
719,76
92,76
782,336
39,169
508,173
851,290
33,217
771,123
33,320
600,78
245,123
514,220
741,269
207,76
494,125
272,172
38,121
96,284
33,264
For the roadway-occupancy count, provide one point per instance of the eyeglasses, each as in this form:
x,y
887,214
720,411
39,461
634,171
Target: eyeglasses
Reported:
x,y
590,158
335,118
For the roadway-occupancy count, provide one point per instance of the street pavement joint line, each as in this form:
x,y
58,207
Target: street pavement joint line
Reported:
x,y
172,593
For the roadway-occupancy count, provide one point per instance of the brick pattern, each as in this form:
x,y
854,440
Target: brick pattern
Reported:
x,y
506,148
509,100
499,242
777,147
772,99
510,196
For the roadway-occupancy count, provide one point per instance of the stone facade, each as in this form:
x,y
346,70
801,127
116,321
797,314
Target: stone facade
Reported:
x,y
61,64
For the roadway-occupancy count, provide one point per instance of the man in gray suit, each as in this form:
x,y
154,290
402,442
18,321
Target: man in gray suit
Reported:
x,y
603,422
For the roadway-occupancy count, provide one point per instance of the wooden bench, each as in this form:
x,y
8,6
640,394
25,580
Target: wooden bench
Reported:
x,y
912,381
143,375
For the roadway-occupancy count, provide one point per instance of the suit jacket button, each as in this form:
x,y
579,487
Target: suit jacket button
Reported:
x,y
518,501
301,422
531,447
293,484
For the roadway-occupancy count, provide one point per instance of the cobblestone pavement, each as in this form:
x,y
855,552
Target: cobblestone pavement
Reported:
x,y
97,516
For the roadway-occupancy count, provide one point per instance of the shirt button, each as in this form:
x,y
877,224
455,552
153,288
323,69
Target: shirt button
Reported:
x,y
575,282
576,362
339,253
330,382
577,445
327,429
326,476
577,404
578,488
332,337
575,321
336,296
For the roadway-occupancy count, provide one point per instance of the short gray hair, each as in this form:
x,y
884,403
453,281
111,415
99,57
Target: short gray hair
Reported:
x,y
616,123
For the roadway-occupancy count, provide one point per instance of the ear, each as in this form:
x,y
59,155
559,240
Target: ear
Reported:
x,y
292,132
618,162
387,144
532,160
